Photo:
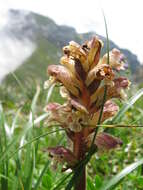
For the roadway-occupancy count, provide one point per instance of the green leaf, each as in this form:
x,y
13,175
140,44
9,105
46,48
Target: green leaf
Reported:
x,y
116,180
105,88
47,180
98,181
15,184
90,185
139,181
41,175
127,105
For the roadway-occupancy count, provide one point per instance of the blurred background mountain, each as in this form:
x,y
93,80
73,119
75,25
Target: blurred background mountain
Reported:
x,y
37,41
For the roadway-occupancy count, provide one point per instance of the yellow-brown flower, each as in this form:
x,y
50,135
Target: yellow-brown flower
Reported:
x,y
83,76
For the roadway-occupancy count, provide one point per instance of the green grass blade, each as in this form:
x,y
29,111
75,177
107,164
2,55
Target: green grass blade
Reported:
x,y
79,170
41,175
29,167
40,118
7,178
5,164
90,153
30,158
2,165
33,106
107,37
90,185
17,138
35,98
116,180
62,181
30,149
105,89
50,90
33,140
127,105
17,182
14,121
19,84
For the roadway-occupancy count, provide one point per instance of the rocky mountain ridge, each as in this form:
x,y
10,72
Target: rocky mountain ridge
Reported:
x,y
48,38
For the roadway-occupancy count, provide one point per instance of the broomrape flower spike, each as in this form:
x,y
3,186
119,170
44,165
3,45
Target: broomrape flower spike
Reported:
x,y
83,76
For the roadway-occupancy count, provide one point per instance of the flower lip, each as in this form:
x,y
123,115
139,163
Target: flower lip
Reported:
x,y
53,70
105,141
63,75
74,49
52,107
121,82
100,72
116,60
78,106
62,154
109,110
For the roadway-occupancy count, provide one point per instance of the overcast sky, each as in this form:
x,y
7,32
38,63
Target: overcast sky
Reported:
x,y
124,17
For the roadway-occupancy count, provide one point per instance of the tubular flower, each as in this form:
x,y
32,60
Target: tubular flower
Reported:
x,y
62,155
83,76
104,141
117,59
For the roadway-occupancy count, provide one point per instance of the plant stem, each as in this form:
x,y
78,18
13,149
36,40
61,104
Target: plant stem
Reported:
x,y
79,153
81,183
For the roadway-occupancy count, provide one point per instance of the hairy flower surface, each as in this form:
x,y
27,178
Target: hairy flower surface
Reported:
x,y
104,141
84,76
62,155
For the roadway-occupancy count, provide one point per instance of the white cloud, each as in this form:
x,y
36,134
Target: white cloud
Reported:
x,y
12,53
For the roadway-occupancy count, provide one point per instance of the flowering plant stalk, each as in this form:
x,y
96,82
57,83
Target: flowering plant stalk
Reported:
x,y
84,76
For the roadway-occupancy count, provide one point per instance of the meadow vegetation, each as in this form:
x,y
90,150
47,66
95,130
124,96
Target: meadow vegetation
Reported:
x,y
24,134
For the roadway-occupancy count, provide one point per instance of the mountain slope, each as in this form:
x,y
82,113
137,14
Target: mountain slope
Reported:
x,y
49,38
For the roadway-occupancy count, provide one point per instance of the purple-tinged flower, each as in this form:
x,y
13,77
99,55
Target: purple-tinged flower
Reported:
x,y
117,59
83,76
62,155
